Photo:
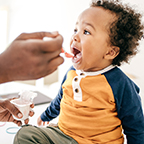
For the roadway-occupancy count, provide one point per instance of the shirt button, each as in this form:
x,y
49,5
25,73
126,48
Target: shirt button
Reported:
x,y
81,74
76,90
75,79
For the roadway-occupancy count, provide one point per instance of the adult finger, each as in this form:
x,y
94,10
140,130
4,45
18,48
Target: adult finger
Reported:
x,y
51,45
54,63
36,35
31,113
13,98
19,123
11,119
12,109
47,67
32,105
26,121
49,56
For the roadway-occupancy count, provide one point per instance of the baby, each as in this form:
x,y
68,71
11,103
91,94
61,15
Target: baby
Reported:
x,y
96,101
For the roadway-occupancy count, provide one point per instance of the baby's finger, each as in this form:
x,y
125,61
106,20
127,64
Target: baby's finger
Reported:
x,y
15,97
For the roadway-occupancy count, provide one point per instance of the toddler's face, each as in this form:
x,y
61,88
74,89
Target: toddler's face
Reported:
x,y
90,41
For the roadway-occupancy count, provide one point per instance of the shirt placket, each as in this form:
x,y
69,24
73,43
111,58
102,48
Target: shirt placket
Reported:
x,y
76,86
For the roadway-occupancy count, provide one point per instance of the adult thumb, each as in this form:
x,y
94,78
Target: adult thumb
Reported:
x,y
12,109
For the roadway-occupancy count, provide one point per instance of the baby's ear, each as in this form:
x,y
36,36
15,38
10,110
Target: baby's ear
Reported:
x,y
112,52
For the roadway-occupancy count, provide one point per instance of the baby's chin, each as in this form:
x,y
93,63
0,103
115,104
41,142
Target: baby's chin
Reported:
x,y
77,66
85,69
81,66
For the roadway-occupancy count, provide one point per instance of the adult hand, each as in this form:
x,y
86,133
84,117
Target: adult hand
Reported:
x,y
7,109
30,57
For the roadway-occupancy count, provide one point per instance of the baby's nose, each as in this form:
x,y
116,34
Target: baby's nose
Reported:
x,y
76,38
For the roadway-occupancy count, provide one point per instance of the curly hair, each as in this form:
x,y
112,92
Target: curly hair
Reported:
x,y
124,32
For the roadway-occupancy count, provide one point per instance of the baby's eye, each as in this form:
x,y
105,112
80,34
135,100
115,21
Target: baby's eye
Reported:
x,y
75,30
86,32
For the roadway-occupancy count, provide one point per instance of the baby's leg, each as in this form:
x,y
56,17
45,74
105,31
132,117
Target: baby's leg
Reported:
x,y
40,135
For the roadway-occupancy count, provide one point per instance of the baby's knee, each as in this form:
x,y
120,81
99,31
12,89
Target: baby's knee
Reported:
x,y
24,135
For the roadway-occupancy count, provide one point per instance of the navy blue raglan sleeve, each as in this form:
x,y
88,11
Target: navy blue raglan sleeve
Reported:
x,y
54,109
129,106
131,114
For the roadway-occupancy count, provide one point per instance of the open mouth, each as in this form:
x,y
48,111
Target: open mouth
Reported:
x,y
77,55
75,51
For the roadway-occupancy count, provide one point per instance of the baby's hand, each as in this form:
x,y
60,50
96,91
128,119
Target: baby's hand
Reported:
x,y
40,122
